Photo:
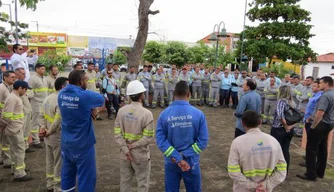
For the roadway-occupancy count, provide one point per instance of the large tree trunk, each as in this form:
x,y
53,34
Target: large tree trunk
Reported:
x,y
139,45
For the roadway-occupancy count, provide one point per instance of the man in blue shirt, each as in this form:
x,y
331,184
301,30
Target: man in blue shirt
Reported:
x,y
312,104
225,89
250,101
109,88
78,138
182,134
278,80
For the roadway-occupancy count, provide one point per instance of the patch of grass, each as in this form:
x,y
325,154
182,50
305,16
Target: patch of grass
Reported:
x,y
330,173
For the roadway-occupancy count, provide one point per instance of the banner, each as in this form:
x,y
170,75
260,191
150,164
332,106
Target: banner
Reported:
x,y
47,39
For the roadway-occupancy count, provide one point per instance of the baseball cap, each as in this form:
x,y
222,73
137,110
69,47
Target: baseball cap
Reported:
x,y
22,84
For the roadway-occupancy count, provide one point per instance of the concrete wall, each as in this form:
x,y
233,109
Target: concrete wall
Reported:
x,y
325,69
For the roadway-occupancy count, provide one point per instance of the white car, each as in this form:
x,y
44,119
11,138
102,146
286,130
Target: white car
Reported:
x,y
3,60
124,68
167,68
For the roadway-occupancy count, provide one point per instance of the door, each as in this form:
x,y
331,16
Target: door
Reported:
x,y
315,72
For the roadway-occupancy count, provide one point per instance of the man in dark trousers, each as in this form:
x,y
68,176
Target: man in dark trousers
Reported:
x,y
316,147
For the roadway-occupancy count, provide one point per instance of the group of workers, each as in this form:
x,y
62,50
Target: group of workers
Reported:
x,y
62,110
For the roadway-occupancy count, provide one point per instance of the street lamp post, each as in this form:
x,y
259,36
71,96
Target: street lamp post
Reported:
x,y
10,15
215,37
243,33
36,25
16,28
155,33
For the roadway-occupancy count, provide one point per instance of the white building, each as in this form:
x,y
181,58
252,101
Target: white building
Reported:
x,y
323,67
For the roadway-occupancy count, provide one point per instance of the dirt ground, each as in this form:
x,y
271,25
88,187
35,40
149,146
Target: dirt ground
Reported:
x,y
213,161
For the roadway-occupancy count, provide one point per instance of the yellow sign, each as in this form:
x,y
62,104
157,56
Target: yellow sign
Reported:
x,y
48,39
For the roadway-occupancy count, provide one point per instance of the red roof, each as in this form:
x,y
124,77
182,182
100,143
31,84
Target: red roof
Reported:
x,y
326,58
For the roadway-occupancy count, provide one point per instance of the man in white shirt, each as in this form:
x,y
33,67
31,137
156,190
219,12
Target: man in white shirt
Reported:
x,y
19,60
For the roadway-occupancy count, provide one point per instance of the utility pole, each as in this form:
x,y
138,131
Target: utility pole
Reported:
x,y
16,28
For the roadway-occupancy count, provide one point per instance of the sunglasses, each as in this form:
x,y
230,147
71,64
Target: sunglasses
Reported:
x,y
243,73
109,73
20,49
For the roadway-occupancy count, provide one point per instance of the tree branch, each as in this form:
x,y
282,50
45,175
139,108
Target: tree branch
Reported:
x,y
153,12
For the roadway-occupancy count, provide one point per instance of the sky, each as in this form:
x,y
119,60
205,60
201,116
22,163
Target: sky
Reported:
x,y
182,20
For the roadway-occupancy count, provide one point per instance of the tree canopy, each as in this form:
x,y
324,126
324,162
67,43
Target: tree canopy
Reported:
x,y
154,52
283,32
5,19
119,58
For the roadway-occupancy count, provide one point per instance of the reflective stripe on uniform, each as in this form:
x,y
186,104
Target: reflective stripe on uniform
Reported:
x,y
34,131
148,133
57,116
40,90
169,151
51,90
257,172
50,119
196,148
57,179
13,116
68,190
233,168
5,148
281,166
117,130
132,136
20,167
49,175
1,105
91,80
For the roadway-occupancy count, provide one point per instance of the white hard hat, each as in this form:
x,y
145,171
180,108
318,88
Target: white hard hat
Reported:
x,y
135,87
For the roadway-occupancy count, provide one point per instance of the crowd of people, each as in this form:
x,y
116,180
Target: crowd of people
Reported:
x,y
61,111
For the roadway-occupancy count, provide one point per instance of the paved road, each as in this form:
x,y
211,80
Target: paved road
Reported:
x,y
213,162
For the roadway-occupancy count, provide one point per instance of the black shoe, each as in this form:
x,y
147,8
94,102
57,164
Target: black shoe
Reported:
x,y
302,164
24,178
99,119
303,176
29,150
7,166
50,190
38,146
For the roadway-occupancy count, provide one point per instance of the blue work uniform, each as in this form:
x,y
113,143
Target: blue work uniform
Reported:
x,y
182,134
78,138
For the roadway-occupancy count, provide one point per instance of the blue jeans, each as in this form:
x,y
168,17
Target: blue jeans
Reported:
x,y
234,96
191,178
78,163
224,97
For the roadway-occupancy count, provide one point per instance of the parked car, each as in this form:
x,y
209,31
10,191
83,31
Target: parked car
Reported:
x,y
167,68
124,68
3,60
